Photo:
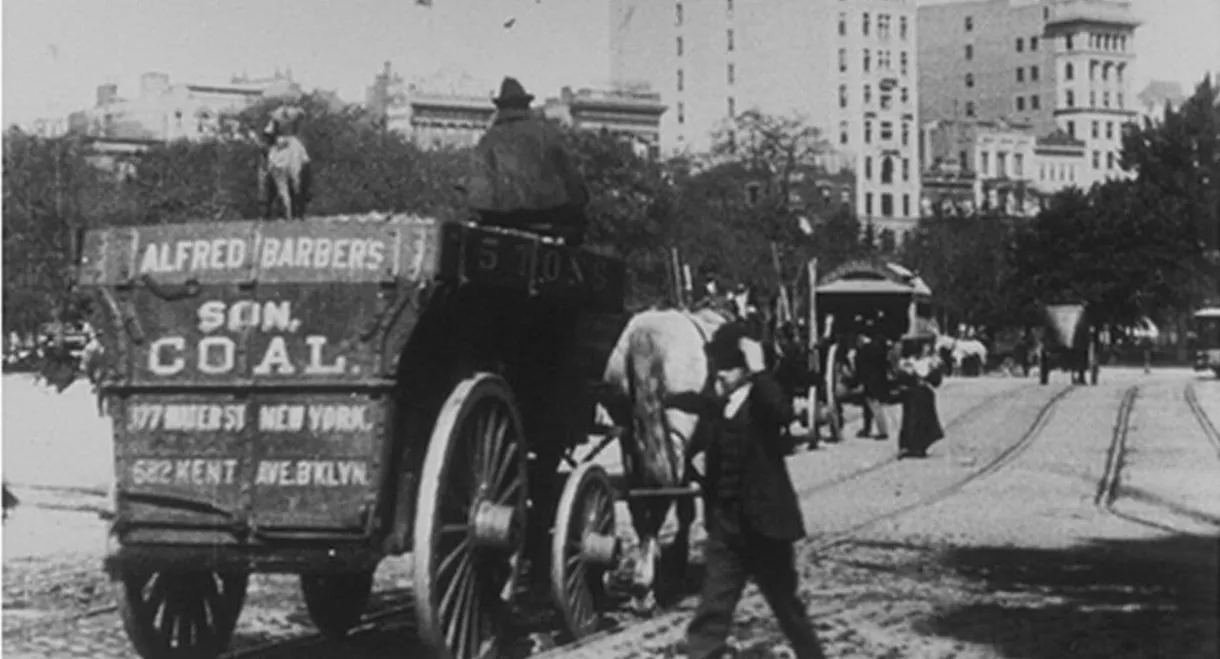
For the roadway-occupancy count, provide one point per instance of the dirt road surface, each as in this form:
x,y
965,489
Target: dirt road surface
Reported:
x,y
995,546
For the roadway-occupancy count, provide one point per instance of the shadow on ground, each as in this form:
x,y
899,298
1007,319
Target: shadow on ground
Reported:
x,y
1154,598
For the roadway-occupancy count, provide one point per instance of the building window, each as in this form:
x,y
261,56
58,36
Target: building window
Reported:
x,y
906,169
1092,99
681,80
868,204
678,11
883,26
681,112
1001,164
984,162
866,60
1033,73
1020,104
868,94
1035,102
902,59
732,73
864,22
969,51
843,129
729,6
1118,100
963,161
1096,129
887,131
887,170
1071,126
1068,71
969,80
887,205
1105,99
868,168
906,95
1070,98
842,60
842,24
906,134
902,27
969,23
729,34
1092,69
842,96
1110,160
1020,45
1118,72
1033,43
868,132
1096,160
906,208
969,108
1020,74
1018,165
732,107
1067,41
679,46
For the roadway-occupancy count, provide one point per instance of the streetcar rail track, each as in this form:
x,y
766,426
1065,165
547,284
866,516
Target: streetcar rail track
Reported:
x,y
374,621
1109,486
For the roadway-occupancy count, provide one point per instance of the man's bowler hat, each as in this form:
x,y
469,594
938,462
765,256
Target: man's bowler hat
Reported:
x,y
512,94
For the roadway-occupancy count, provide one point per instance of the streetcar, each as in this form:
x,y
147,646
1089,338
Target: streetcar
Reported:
x,y
1207,340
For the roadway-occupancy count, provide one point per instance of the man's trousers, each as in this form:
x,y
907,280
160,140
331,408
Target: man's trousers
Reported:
x,y
731,560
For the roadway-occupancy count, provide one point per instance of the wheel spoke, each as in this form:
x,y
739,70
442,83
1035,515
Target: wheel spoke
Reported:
x,y
461,575
460,553
507,493
495,439
503,467
450,529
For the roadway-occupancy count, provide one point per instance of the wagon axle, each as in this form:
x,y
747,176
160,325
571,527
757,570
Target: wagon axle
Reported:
x,y
494,526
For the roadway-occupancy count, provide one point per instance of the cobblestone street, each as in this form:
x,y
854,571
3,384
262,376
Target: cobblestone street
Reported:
x,y
995,546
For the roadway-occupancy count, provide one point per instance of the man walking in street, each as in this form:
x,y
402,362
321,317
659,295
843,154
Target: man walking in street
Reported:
x,y
751,509
872,372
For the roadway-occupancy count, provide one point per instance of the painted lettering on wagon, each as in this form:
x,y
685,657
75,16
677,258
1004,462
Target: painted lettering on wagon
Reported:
x,y
186,416
232,253
317,418
301,473
223,471
216,354
183,471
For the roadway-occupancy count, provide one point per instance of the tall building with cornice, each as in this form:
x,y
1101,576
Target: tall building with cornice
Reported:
x,y
1054,64
847,67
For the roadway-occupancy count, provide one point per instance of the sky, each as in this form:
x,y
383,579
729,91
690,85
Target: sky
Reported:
x,y
56,52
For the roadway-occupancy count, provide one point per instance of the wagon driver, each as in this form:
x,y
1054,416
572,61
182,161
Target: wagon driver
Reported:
x,y
522,175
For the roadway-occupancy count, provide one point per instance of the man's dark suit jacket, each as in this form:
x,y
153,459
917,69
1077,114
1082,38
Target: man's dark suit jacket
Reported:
x,y
747,483
872,367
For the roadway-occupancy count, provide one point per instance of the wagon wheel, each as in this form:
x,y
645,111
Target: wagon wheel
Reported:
x,y
583,547
832,400
470,521
336,601
180,614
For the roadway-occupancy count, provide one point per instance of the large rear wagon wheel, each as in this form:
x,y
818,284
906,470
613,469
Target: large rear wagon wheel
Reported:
x,y
180,614
583,548
470,521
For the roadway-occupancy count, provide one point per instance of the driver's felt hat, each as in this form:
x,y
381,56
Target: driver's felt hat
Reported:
x,y
724,350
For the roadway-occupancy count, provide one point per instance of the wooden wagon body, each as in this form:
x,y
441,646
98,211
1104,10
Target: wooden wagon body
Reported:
x,y
310,397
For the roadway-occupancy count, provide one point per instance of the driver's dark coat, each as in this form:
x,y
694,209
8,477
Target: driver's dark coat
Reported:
x,y
522,164
747,486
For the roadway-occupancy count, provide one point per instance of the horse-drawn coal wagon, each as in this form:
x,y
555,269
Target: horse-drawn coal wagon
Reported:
x,y
311,397
1068,343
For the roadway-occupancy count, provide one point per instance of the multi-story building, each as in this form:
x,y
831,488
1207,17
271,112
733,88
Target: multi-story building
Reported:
x,y
456,117
847,67
1054,64
997,165
1159,95
166,112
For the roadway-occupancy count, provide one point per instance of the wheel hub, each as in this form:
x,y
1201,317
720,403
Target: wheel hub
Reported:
x,y
495,525
599,548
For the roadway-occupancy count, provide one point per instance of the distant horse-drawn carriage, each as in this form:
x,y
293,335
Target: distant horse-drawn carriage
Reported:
x,y
1068,343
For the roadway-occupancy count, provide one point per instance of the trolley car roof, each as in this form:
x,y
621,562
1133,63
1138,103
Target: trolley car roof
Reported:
x,y
1210,312
856,286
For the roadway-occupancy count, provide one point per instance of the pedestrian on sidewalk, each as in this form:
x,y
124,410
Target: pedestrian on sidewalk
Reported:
x,y
872,372
751,509
918,373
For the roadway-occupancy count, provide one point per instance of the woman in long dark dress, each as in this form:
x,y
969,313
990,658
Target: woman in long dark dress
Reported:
x,y
921,428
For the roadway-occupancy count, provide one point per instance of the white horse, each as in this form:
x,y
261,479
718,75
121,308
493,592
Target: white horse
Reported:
x,y
660,354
